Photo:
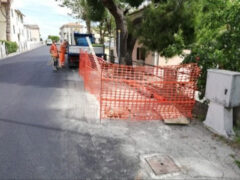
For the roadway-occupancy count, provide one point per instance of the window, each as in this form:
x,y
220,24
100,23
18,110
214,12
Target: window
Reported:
x,y
13,29
141,54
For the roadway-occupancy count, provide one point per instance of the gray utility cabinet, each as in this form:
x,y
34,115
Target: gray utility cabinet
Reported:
x,y
223,87
223,91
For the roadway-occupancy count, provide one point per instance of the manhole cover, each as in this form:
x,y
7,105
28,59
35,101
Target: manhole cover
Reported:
x,y
162,165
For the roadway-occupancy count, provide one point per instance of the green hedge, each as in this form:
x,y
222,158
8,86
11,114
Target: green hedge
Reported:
x,y
11,47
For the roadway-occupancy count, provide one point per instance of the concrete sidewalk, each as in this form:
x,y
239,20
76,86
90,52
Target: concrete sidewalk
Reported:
x,y
195,150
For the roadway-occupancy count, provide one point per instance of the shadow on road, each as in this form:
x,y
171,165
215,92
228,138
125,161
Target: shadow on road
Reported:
x,y
40,126
96,157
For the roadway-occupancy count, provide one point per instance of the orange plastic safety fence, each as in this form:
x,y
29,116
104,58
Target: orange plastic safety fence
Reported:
x,y
142,92
91,75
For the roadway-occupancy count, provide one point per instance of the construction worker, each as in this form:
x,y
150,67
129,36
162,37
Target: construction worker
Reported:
x,y
62,53
54,54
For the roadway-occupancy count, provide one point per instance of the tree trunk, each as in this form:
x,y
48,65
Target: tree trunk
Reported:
x,y
121,23
8,20
101,33
88,24
130,45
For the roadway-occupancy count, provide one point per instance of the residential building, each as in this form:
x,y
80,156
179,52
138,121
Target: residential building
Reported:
x,y
67,30
26,36
17,29
33,32
3,18
18,33
140,57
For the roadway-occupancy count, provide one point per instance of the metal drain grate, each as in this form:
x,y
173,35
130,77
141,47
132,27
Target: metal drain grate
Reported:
x,y
162,165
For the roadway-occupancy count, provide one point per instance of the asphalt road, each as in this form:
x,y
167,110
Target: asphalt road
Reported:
x,y
38,137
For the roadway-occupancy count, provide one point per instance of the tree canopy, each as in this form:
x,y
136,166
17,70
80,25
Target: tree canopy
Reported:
x,y
166,27
88,10
54,38
210,29
217,32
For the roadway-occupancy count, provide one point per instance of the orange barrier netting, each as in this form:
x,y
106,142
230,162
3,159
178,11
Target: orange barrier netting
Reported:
x,y
142,92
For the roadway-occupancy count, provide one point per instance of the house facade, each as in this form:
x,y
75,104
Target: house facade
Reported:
x,y
3,20
16,23
26,36
33,32
67,30
140,57
17,28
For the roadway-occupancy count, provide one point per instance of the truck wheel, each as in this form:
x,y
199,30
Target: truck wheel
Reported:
x,y
69,63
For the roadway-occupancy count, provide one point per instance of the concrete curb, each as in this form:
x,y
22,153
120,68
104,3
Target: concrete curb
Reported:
x,y
19,53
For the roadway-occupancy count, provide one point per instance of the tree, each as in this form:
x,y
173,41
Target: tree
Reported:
x,y
119,10
167,27
54,38
79,10
94,10
105,27
217,34
209,28
86,10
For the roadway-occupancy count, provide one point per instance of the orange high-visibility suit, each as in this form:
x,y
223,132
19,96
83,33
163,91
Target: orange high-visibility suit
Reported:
x,y
54,50
54,54
62,54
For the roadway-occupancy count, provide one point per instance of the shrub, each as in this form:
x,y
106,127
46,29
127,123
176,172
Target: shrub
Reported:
x,y
218,40
11,47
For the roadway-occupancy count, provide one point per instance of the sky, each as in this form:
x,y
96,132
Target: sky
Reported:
x,y
45,13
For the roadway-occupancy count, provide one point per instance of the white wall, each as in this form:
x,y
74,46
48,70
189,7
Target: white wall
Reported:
x,y
33,44
2,24
17,27
2,50
35,35
154,60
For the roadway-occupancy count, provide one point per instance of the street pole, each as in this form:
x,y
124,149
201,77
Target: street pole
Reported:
x,y
119,43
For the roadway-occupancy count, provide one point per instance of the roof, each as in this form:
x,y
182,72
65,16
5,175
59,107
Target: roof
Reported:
x,y
4,1
73,25
19,12
32,26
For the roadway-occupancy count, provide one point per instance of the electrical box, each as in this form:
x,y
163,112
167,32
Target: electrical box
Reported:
x,y
223,87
